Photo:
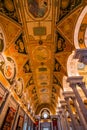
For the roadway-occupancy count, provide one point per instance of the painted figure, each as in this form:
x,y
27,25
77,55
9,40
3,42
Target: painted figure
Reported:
x,y
38,8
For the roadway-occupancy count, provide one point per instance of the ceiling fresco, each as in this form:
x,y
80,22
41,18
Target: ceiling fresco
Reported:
x,y
37,37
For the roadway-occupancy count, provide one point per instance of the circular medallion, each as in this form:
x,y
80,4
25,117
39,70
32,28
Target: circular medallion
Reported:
x,y
9,68
41,54
8,71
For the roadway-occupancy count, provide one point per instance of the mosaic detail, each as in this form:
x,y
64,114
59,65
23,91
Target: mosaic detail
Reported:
x,y
66,6
60,44
55,81
41,54
19,45
57,66
19,87
30,82
8,68
26,67
7,7
37,8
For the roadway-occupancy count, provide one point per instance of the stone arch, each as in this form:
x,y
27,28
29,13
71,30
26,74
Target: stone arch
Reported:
x,y
80,33
72,66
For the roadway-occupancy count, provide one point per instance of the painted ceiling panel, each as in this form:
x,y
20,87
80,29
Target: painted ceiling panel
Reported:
x,y
11,29
36,48
68,23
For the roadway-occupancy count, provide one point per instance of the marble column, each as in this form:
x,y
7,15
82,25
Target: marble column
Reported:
x,y
83,87
81,118
39,125
73,82
59,122
63,106
51,125
74,125
80,83
63,127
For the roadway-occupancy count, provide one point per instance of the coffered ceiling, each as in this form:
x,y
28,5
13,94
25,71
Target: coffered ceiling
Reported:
x,y
39,37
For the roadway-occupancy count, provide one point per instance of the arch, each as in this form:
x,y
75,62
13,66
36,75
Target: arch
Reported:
x,y
80,33
44,109
66,84
45,106
72,66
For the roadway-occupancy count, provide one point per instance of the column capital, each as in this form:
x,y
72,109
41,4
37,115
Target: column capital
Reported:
x,y
81,84
63,103
81,54
68,94
76,80
60,109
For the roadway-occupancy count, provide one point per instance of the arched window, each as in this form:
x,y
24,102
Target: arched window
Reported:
x,y
45,114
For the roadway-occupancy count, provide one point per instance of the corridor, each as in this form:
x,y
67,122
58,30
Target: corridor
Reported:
x,y
43,64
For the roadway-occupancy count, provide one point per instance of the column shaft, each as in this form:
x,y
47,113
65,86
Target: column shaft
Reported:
x,y
59,123
81,118
84,89
71,115
67,125
81,104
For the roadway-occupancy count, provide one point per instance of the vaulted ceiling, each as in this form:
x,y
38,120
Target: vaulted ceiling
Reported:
x,y
39,37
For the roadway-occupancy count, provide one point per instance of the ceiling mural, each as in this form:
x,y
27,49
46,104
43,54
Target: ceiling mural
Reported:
x,y
27,68
19,87
36,39
67,6
19,45
30,82
65,26
7,7
10,28
38,8
41,54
